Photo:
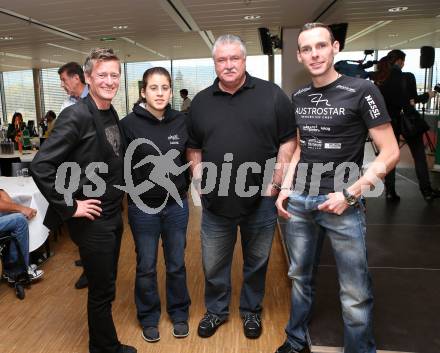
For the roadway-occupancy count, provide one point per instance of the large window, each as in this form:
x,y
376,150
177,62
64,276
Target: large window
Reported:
x,y
194,75
19,94
119,100
135,72
257,65
54,94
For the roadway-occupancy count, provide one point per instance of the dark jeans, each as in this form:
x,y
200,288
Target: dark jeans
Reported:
x,y
169,224
99,243
219,235
17,225
417,148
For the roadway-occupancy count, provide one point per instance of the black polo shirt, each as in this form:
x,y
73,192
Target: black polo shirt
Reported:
x,y
247,126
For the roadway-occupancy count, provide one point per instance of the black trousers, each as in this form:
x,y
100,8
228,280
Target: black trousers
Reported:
x,y
417,148
99,243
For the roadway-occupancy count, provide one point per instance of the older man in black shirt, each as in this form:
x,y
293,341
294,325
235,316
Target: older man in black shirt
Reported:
x,y
238,126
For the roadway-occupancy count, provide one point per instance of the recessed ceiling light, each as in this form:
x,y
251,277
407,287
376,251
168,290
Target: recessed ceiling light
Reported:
x,y
398,9
251,17
120,27
6,38
393,35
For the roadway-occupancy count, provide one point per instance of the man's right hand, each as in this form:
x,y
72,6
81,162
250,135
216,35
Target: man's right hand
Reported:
x,y
28,212
88,208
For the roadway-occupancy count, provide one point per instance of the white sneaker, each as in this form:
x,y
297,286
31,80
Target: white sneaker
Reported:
x,y
33,266
35,274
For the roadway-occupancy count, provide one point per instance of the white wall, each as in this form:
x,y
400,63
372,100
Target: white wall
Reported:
x,y
294,74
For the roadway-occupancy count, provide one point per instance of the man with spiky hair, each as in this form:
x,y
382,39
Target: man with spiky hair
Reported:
x,y
334,115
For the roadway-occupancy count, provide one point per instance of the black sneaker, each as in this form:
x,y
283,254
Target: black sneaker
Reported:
x,y
287,348
180,329
252,325
127,349
150,334
209,324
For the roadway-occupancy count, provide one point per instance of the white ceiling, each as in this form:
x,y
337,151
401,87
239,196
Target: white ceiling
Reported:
x,y
155,33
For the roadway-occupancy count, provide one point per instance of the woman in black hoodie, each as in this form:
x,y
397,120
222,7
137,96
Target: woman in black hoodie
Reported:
x,y
156,137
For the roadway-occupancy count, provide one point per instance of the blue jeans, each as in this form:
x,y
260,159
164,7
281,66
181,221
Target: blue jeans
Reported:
x,y
169,224
219,235
347,236
17,225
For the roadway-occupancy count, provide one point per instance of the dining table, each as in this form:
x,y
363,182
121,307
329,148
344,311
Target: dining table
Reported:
x,y
24,191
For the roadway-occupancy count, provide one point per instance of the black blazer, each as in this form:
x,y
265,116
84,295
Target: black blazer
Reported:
x,y
78,136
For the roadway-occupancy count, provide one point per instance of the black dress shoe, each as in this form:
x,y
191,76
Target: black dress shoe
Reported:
x,y
432,194
127,349
392,196
82,282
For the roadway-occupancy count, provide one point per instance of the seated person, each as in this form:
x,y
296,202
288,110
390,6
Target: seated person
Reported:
x,y
16,126
50,118
13,219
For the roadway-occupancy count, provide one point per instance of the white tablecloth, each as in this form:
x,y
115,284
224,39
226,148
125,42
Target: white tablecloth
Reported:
x,y
25,192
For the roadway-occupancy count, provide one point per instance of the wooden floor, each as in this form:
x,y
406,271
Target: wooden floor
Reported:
x,y
52,318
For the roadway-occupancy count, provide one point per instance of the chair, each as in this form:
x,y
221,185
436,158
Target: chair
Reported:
x,y
6,165
22,280
18,166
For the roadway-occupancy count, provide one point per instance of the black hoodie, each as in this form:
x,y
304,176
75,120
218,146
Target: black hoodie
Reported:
x,y
166,134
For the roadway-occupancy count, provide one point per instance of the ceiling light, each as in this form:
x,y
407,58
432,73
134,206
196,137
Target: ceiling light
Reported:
x,y
6,38
67,48
251,17
367,30
393,35
107,39
398,9
139,45
120,27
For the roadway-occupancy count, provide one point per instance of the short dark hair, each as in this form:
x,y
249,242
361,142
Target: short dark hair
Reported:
x,y
312,25
395,55
73,68
50,113
184,91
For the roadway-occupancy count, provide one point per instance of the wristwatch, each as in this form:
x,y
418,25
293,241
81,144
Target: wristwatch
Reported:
x,y
349,198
